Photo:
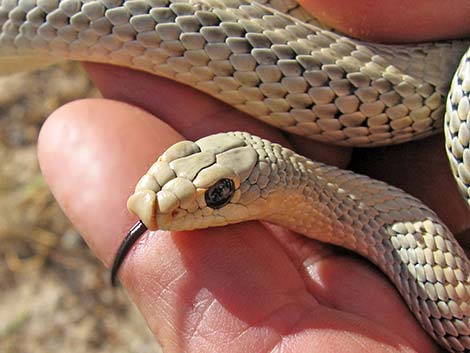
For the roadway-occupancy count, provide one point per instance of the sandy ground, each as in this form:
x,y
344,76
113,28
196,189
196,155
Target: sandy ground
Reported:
x,y
54,295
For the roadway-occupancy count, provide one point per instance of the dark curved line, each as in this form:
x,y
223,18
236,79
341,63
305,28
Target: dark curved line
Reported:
x,y
132,236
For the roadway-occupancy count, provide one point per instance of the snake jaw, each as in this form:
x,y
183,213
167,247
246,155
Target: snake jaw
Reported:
x,y
164,221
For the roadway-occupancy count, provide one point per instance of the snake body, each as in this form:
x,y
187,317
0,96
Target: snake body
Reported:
x,y
290,74
275,62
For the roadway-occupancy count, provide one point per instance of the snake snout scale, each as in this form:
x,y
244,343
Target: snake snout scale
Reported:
x,y
277,63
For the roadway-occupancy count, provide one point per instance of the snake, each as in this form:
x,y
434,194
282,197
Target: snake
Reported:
x,y
274,61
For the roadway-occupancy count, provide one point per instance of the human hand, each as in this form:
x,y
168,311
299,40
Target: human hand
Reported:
x,y
248,287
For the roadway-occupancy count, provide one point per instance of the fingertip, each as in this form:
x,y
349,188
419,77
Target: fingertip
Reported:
x,y
91,153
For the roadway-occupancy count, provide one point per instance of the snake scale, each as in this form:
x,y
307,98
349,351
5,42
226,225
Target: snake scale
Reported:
x,y
274,61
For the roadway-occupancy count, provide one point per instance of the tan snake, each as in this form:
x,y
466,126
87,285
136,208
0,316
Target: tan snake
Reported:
x,y
283,68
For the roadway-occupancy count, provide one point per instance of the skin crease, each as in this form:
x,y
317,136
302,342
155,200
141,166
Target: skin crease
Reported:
x,y
250,287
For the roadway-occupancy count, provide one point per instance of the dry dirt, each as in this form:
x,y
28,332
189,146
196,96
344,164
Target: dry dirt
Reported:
x,y
54,295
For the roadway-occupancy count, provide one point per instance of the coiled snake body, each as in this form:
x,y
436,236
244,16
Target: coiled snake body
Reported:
x,y
276,63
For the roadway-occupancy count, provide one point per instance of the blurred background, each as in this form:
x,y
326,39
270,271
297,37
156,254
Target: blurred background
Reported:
x,y
54,295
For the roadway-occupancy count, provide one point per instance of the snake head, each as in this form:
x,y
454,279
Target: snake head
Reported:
x,y
200,184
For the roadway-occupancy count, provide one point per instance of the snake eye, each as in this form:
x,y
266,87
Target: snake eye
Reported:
x,y
219,194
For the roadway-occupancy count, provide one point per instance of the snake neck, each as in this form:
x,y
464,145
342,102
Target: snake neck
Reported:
x,y
338,210
367,216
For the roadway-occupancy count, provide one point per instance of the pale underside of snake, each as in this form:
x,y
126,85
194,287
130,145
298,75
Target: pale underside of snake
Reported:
x,y
275,62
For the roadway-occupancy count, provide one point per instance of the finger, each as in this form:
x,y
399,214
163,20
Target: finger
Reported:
x,y
194,112
84,138
197,290
184,108
394,21
91,153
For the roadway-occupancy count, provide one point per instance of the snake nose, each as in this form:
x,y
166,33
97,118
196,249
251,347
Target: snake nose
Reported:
x,y
143,204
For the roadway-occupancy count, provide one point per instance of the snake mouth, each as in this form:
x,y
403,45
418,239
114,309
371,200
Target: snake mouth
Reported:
x,y
143,204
